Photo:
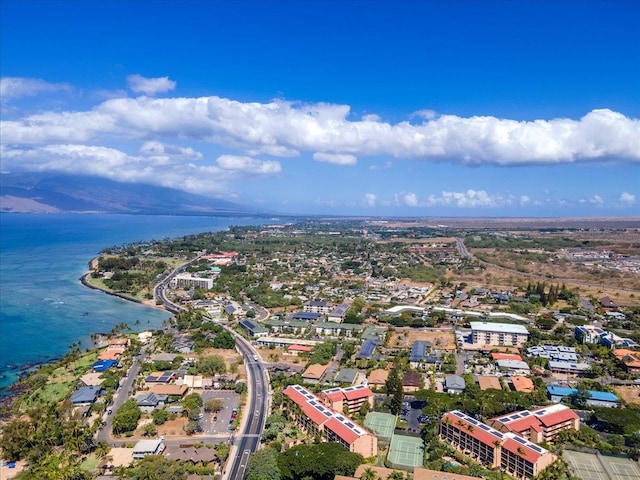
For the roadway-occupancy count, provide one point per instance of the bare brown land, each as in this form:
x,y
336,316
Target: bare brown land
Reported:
x,y
440,340
630,394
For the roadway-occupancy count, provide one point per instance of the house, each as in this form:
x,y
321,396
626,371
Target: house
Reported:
x,y
296,349
147,447
148,401
507,452
193,455
92,379
350,376
378,377
596,398
521,384
366,350
454,384
104,365
314,373
161,377
112,352
629,359
315,418
485,382
170,390
541,424
119,342
163,357
486,333
505,356
419,352
412,381
193,381
569,368
515,367
85,395
607,302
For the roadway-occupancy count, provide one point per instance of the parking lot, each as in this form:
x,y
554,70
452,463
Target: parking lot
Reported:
x,y
215,423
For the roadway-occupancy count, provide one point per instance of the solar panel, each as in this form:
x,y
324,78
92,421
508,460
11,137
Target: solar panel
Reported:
x,y
536,448
484,427
349,424
520,440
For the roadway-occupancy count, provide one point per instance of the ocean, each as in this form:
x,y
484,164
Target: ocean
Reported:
x,y
43,306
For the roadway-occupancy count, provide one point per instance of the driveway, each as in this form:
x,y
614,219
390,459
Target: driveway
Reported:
x,y
218,423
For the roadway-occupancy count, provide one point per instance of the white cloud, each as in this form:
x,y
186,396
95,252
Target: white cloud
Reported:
x,y
627,198
16,87
596,200
370,200
525,200
150,86
248,165
335,158
286,129
411,200
469,199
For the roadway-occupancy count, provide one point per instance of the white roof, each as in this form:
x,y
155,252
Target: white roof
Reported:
x,y
499,327
147,445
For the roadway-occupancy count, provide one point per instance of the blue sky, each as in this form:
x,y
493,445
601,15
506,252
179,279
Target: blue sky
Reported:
x,y
432,108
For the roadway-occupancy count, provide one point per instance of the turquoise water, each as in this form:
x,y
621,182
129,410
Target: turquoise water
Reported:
x,y
43,306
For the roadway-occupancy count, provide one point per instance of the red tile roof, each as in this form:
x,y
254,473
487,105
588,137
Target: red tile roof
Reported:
x,y
478,433
522,384
315,415
506,356
334,396
300,348
358,393
557,418
341,430
527,453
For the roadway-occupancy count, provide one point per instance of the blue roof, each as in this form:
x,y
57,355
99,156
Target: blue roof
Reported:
x,y
595,395
367,349
85,395
306,315
419,350
102,365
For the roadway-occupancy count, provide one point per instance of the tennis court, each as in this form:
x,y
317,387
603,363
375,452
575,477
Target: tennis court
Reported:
x,y
382,424
405,452
589,466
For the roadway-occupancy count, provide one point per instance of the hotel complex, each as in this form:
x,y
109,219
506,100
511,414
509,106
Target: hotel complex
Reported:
x,y
313,416
509,452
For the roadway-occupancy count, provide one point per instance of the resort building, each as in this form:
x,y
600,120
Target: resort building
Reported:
x,y
494,334
538,425
352,397
509,452
313,416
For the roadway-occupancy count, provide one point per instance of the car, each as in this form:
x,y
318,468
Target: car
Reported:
x,y
109,412
198,429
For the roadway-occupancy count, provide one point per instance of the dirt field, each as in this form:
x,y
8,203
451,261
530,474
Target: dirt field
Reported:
x,y
445,340
278,356
630,394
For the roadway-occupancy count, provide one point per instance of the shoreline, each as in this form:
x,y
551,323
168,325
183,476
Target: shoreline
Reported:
x,y
10,393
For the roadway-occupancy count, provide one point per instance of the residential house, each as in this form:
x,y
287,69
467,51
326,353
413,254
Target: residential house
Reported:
x,y
412,381
454,384
378,377
629,359
350,376
521,384
420,350
485,382
85,395
314,373
147,447
149,401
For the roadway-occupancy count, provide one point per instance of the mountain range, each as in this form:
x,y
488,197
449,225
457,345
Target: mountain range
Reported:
x,y
55,193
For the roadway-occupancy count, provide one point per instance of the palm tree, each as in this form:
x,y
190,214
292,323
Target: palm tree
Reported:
x,y
369,474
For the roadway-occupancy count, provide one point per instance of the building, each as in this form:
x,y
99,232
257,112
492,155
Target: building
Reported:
x,y
378,377
311,415
628,358
338,329
147,447
521,384
569,368
553,352
515,367
85,395
189,281
294,350
538,425
284,342
314,373
420,351
596,399
351,397
350,376
412,381
322,308
254,328
486,382
454,384
494,334
170,390
508,452
147,402
338,313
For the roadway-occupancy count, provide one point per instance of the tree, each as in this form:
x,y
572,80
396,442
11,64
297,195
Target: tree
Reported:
x,y
126,417
160,416
369,474
395,391
213,405
263,465
150,430
224,340
321,461
211,365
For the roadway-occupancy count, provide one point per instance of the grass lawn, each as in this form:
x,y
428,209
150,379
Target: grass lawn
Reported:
x,y
90,463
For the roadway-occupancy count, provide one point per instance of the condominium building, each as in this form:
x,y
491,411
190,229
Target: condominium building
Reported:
x,y
351,397
313,416
189,281
540,424
486,333
509,452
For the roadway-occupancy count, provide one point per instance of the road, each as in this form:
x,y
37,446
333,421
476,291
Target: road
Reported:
x,y
254,415
247,440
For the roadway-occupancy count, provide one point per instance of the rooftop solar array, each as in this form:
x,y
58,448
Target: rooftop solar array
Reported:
x,y
367,349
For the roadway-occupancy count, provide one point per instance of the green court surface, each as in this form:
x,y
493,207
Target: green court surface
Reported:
x,y
589,466
381,424
405,452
